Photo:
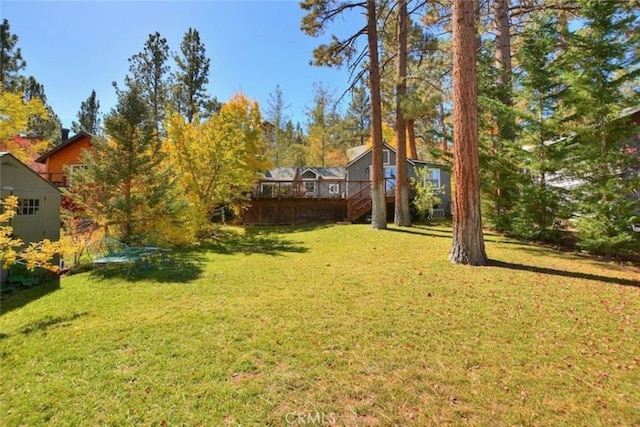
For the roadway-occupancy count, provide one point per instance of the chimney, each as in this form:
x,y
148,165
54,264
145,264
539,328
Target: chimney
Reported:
x,y
65,134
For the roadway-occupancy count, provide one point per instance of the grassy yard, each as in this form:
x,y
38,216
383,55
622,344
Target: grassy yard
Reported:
x,y
336,325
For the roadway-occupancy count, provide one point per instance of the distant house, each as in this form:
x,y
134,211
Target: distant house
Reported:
x,y
295,195
359,170
38,214
64,157
308,182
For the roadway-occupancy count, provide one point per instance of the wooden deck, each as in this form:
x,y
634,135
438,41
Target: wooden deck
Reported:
x,y
290,203
295,211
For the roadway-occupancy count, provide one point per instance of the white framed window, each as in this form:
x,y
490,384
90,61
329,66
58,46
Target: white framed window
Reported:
x,y
334,189
386,157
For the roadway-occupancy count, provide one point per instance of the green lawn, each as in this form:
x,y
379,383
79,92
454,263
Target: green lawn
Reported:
x,y
336,324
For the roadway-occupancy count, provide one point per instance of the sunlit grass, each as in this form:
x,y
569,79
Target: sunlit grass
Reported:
x,y
339,324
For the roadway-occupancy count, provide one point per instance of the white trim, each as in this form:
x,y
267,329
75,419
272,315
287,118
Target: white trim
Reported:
x,y
386,157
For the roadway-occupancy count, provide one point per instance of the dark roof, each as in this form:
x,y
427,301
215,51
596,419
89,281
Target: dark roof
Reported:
x,y
361,153
64,144
629,111
325,172
9,155
281,174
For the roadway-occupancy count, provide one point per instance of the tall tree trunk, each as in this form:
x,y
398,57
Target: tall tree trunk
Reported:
x,y
401,211
411,133
506,125
379,207
503,58
468,243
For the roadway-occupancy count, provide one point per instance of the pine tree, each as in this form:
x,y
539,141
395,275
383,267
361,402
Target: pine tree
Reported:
x,y
11,61
88,116
323,144
192,77
357,117
150,71
468,243
47,127
598,63
540,204
345,50
277,117
401,214
127,182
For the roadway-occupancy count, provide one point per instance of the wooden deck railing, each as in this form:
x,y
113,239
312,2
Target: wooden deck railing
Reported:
x,y
323,189
60,179
359,203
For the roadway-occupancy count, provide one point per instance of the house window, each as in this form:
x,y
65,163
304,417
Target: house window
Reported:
x,y
334,189
390,178
309,174
28,206
386,157
435,178
267,190
310,189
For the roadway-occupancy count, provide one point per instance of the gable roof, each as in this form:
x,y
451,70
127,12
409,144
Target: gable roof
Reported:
x,y
4,154
64,144
326,172
361,153
281,174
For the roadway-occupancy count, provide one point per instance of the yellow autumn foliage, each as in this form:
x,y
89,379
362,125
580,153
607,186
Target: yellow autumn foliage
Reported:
x,y
14,120
217,160
12,250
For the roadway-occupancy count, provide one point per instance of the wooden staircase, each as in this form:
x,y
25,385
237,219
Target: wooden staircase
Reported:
x,y
359,204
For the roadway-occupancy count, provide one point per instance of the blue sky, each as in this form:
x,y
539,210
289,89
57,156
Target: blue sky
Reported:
x,y
73,47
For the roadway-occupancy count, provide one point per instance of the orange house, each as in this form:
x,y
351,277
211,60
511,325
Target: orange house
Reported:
x,y
64,157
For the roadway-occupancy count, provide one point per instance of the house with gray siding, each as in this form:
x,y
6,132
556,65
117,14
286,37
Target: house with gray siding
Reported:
x,y
38,213
359,170
295,195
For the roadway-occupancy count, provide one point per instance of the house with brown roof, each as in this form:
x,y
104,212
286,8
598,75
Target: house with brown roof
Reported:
x,y
64,157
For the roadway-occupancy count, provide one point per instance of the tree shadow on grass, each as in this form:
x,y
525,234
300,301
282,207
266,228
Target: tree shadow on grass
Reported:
x,y
22,297
283,229
423,230
563,273
255,240
178,266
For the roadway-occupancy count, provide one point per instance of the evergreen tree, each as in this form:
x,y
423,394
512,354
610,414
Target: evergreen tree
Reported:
x,y
127,182
45,127
323,143
277,118
88,116
540,204
295,141
11,62
150,71
319,13
357,118
192,77
401,214
598,63
468,243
